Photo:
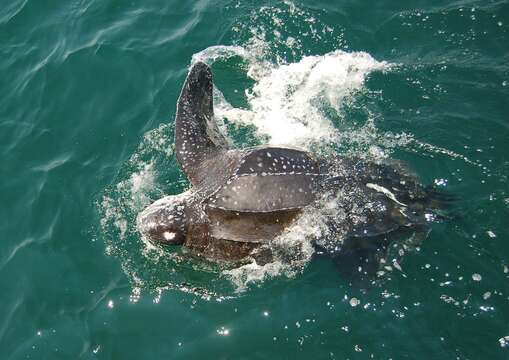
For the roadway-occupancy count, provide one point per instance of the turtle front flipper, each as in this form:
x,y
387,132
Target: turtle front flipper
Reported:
x,y
197,137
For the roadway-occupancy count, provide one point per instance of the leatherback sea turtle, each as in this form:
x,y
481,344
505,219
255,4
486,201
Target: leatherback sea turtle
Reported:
x,y
243,198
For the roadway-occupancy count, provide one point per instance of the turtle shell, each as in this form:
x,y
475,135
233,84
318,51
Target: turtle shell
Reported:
x,y
268,180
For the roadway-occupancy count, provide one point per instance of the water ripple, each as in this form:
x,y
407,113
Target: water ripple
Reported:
x,y
12,11
53,163
26,242
6,322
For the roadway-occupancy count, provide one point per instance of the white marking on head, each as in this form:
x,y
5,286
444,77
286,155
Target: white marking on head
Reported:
x,y
169,235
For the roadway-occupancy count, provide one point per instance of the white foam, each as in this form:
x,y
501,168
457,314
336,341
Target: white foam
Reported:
x,y
214,53
141,183
287,101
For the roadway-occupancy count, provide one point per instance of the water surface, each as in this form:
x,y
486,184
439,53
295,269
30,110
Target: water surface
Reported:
x,y
86,133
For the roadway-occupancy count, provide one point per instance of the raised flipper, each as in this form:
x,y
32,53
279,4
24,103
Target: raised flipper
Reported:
x,y
197,137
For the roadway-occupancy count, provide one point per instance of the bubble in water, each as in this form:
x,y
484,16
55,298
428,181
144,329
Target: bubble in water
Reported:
x,y
223,331
476,277
504,341
354,302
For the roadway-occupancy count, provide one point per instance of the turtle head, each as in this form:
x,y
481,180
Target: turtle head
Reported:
x,y
165,220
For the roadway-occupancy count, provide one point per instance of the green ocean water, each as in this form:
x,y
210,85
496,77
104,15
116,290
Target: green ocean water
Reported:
x,y
88,93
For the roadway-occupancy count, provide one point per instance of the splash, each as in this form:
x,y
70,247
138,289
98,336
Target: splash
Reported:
x,y
303,104
288,104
